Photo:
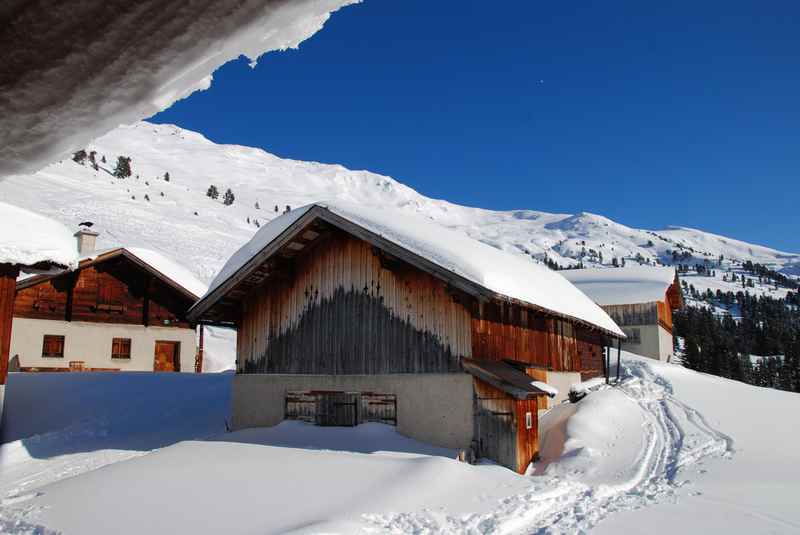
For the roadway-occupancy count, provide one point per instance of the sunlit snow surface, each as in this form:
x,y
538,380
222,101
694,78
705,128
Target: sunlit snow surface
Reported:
x,y
28,238
646,456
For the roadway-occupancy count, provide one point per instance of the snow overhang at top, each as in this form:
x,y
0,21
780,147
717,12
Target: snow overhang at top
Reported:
x,y
497,272
73,71
31,240
623,286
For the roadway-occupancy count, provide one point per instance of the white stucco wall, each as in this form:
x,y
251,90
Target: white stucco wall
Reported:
x,y
562,381
91,343
655,341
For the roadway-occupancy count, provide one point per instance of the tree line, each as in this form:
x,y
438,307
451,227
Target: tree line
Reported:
x,y
721,345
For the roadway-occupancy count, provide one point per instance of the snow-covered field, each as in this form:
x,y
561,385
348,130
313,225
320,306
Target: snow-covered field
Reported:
x,y
667,450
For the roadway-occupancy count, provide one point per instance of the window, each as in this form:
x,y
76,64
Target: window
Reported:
x,y
634,335
121,348
528,420
53,346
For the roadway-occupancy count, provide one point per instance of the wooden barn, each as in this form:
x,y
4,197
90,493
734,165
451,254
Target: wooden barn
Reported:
x,y
121,309
640,299
348,315
32,244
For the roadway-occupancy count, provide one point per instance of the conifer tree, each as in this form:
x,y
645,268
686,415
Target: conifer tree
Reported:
x,y
79,157
212,192
228,199
123,168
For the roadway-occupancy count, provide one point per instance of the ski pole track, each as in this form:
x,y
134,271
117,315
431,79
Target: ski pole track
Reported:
x,y
675,435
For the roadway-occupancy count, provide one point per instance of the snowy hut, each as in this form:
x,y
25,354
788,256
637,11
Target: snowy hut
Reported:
x,y
121,309
348,315
641,300
31,243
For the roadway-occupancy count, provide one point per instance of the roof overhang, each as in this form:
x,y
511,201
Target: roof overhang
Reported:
x,y
317,212
503,376
105,257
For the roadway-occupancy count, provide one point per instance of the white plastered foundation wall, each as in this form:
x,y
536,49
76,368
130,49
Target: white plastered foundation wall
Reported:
x,y
91,343
654,341
432,408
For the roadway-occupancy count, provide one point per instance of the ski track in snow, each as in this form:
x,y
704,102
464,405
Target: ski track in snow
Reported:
x,y
676,435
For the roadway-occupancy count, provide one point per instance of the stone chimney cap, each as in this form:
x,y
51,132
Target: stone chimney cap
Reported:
x,y
85,232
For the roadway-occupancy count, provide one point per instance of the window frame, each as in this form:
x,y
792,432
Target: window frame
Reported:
x,y
119,355
53,338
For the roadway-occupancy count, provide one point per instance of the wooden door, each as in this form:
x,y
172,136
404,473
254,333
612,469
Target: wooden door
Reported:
x,y
337,409
167,357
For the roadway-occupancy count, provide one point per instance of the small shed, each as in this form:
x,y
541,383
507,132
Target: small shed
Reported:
x,y
346,314
641,300
30,243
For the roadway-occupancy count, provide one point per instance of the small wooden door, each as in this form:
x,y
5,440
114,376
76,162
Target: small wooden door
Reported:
x,y
337,409
167,357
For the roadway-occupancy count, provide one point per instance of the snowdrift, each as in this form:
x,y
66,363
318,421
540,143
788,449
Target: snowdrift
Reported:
x,y
668,450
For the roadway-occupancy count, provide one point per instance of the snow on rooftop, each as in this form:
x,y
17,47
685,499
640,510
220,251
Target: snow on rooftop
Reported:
x,y
545,387
166,266
171,269
623,286
499,271
27,238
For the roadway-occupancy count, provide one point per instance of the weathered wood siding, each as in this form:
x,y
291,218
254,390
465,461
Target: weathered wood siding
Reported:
x,y
8,285
342,310
656,312
504,331
112,292
351,408
501,432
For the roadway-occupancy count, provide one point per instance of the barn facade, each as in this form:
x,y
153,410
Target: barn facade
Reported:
x,y
118,311
341,320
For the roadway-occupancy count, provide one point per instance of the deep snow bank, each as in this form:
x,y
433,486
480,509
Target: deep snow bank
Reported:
x,y
667,450
72,71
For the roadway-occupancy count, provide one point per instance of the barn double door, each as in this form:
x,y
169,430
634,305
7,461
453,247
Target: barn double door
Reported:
x,y
344,409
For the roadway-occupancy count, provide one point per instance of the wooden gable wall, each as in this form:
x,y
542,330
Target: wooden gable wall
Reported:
x,y
344,308
114,291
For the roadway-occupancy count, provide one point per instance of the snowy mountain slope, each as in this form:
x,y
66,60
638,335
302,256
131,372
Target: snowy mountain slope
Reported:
x,y
180,221
659,453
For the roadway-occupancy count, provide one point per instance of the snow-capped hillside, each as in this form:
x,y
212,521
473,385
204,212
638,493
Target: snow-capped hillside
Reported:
x,y
182,222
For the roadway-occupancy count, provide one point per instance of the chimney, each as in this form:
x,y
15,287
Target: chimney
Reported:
x,y
86,241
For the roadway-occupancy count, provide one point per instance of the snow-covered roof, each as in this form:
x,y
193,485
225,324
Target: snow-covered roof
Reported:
x,y
166,268
28,239
161,264
623,286
502,273
171,269
58,99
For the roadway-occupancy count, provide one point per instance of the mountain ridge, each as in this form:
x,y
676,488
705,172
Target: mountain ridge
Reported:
x,y
176,218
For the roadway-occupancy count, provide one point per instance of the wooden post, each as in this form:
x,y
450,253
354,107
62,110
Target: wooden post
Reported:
x,y
198,361
146,301
619,356
606,351
8,288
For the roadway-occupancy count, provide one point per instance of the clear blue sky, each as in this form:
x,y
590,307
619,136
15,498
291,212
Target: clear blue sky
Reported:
x,y
687,113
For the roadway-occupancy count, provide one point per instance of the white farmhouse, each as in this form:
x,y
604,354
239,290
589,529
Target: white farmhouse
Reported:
x,y
640,299
122,309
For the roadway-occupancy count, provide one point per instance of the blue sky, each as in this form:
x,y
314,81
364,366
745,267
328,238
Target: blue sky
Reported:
x,y
685,114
